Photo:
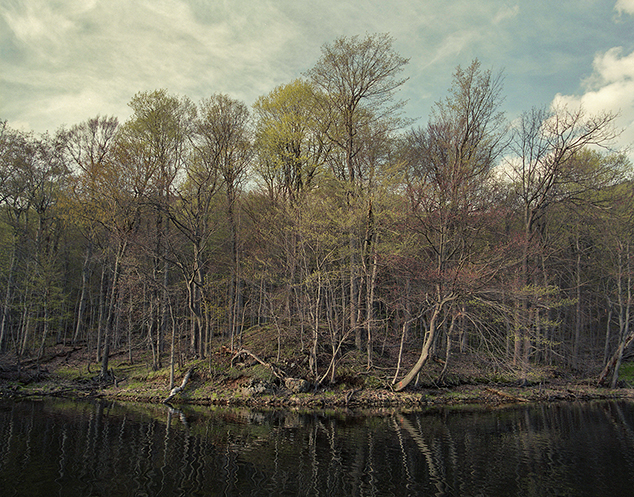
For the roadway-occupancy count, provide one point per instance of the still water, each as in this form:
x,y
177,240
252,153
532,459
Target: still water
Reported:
x,y
67,448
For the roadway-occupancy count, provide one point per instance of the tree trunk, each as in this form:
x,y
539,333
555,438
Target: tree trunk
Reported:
x,y
100,318
428,340
354,293
370,308
577,335
8,296
606,346
612,367
172,346
315,342
84,294
111,309
441,378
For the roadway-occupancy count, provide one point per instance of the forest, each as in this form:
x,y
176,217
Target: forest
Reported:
x,y
327,223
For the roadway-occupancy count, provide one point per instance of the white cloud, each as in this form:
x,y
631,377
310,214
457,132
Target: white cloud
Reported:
x,y
609,88
67,60
626,6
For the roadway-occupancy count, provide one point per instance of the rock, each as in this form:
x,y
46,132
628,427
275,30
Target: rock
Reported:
x,y
297,385
258,387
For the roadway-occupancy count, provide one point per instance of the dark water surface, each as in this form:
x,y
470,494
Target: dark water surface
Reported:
x,y
67,448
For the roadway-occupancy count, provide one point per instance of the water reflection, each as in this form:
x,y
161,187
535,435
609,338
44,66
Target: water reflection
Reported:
x,y
61,447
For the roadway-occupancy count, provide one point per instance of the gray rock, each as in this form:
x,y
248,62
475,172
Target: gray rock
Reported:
x,y
258,387
297,385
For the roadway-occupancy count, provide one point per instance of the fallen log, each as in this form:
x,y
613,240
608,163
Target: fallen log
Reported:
x,y
176,390
279,374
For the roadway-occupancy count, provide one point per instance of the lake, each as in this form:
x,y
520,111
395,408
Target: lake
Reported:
x,y
97,448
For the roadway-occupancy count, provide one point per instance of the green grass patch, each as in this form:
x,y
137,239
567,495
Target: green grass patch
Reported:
x,y
626,372
73,373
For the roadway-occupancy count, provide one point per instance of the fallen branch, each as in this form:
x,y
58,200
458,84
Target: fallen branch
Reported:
x,y
506,395
34,361
177,390
276,371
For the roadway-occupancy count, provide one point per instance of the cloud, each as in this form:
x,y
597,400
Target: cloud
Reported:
x,y
76,58
505,13
62,52
626,6
609,88
69,60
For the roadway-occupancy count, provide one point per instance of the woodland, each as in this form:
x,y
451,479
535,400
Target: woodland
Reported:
x,y
328,224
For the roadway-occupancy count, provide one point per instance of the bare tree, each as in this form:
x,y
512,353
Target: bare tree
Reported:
x,y
545,169
89,146
225,144
359,78
449,187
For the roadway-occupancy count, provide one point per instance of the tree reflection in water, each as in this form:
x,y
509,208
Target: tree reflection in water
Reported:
x,y
70,448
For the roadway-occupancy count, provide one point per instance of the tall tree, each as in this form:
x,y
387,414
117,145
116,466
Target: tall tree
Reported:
x,y
155,143
89,147
291,151
289,143
359,78
225,143
16,153
546,168
449,177
193,215
34,180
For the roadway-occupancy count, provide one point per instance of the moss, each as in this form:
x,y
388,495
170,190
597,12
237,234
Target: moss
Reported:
x,y
373,382
626,372
261,372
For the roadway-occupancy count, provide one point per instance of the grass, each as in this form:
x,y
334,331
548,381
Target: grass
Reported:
x,y
626,372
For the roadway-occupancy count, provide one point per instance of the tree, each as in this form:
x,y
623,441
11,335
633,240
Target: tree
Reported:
x,y
34,181
449,166
359,78
290,151
290,145
16,154
89,147
158,137
225,144
194,217
545,169
615,267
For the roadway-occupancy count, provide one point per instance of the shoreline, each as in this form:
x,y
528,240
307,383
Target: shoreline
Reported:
x,y
67,374
491,395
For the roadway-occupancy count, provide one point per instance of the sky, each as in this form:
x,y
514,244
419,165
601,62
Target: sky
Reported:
x,y
65,61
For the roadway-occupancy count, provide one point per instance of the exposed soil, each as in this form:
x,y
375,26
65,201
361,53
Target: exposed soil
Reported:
x,y
70,372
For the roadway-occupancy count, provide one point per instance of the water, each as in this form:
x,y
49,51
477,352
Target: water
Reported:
x,y
68,448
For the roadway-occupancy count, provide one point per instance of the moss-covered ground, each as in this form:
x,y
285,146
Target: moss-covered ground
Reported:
x,y
225,378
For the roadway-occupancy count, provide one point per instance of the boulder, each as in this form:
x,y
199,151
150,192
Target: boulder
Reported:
x,y
258,387
297,385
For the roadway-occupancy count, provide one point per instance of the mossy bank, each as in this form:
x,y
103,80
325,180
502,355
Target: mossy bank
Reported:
x,y
68,373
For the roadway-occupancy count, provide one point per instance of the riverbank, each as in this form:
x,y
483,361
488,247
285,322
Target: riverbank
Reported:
x,y
67,372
